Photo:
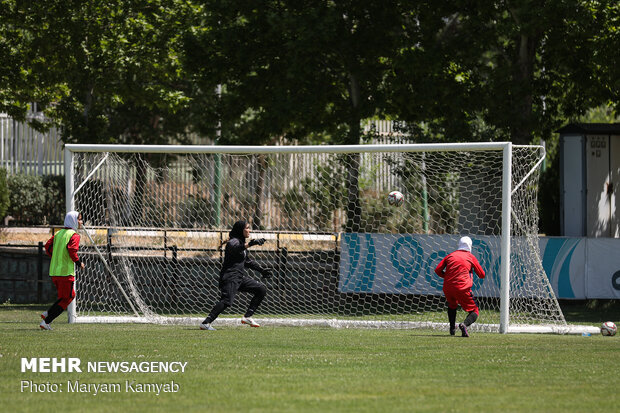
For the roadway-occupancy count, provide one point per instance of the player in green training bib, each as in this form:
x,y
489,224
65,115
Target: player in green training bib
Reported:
x,y
63,248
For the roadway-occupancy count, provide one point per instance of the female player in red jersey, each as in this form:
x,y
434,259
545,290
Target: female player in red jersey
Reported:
x,y
457,269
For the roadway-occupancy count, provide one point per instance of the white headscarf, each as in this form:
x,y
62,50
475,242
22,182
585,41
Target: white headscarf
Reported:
x,y
71,220
465,244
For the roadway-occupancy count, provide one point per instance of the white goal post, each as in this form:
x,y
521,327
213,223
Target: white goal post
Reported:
x,y
157,215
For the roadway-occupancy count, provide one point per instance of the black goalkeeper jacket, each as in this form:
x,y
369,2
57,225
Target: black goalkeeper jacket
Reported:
x,y
236,260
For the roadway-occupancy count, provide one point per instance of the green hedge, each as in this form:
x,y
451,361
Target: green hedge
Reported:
x,y
36,200
4,193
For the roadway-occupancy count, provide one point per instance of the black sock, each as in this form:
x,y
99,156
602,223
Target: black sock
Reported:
x,y
54,311
452,318
259,294
52,306
217,309
470,319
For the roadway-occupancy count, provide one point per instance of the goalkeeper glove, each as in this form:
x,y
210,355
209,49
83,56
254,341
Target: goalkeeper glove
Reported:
x,y
266,273
259,241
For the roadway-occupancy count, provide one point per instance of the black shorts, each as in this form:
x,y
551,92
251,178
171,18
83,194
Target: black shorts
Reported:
x,y
230,286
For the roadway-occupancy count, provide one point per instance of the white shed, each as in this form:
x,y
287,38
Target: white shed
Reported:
x,y
590,180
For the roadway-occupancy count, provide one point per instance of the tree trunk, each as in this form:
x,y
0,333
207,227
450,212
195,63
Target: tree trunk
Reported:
x,y
354,209
522,131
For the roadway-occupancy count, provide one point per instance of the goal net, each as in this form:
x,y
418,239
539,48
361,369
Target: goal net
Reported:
x,y
157,218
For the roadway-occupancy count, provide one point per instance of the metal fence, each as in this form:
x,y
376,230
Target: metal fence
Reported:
x,y
24,274
25,150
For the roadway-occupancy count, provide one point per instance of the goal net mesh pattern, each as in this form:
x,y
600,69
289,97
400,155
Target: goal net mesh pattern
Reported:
x,y
341,254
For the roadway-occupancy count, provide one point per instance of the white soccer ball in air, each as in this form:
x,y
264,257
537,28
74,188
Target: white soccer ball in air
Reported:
x,y
609,329
395,198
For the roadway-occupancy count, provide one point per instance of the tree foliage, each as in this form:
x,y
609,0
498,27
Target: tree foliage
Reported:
x,y
147,71
511,70
108,71
19,83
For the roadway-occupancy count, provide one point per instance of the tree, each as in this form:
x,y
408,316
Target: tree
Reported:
x,y
108,72
518,68
20,84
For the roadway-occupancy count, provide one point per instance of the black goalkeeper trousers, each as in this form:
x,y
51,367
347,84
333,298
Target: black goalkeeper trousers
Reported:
x,y
229,288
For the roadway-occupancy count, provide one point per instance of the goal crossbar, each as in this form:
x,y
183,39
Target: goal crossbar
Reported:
x,y
248,149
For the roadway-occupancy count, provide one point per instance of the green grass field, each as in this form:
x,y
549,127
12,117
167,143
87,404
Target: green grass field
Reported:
x,y
282,369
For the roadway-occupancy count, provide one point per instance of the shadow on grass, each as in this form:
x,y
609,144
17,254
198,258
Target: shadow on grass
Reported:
x,y
24,307
18,313
575,311
591,311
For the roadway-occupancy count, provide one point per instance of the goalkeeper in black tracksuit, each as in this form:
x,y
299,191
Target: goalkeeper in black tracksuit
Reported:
x,y
233,276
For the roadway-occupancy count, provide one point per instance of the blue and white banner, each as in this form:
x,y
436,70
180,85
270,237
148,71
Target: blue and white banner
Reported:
x,y
577,268
582,268
405,264
564,263
603,268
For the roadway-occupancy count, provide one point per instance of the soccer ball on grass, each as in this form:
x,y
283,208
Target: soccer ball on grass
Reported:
x,y
395,198
609,329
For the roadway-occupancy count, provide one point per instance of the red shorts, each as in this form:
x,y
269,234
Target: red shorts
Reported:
x,y
66,292
465,298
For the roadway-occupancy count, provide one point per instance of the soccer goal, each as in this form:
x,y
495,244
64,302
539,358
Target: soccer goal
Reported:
x,y
157,217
